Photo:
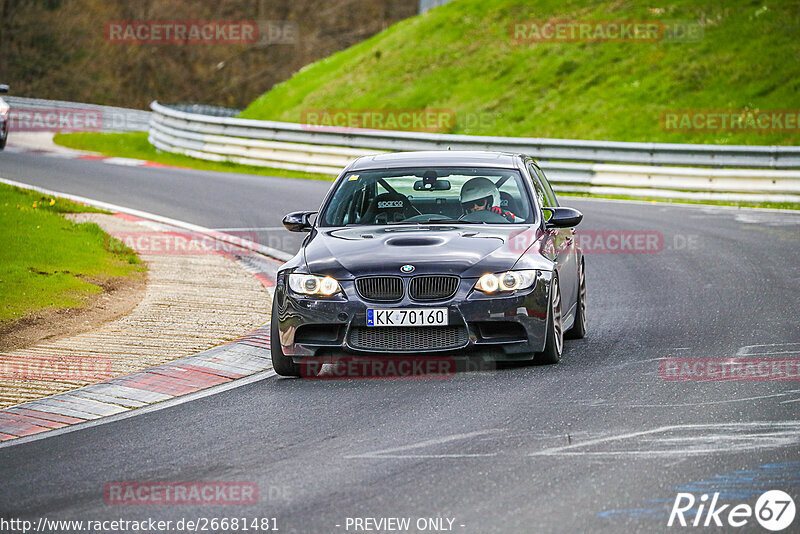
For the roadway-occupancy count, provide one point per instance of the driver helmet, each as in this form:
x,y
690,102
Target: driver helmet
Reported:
x,y
476,189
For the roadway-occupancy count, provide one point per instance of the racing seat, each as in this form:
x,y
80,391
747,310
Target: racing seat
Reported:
x,y
388,208
508,203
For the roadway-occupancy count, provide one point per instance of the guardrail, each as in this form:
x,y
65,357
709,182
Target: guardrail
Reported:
x,y
616,167
114,119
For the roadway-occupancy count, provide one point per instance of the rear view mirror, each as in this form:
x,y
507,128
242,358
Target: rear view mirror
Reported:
x,y
438,185
298,221
562,217
3,88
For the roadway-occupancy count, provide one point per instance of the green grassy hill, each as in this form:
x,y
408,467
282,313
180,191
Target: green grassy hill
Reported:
x,y
462,57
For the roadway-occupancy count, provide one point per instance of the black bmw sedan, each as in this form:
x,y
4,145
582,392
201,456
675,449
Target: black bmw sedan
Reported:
x,y
429,254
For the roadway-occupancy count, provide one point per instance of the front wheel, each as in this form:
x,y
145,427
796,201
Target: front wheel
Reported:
x,y
554,343
283,365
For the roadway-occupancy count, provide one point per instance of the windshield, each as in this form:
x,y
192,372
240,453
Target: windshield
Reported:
x,y
429,195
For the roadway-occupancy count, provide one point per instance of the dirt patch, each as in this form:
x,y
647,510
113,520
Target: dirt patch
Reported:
x,y
119,297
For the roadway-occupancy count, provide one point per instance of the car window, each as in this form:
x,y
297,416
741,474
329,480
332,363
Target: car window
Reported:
x,y
420,195
544,192
548,189
537,186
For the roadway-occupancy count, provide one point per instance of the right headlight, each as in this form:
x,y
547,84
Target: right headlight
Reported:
x,y
506,281
309,284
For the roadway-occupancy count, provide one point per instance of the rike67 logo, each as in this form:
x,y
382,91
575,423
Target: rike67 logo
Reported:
x,y
774,510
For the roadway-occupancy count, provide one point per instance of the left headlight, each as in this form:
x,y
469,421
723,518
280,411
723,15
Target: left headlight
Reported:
x,y
309,284
507,281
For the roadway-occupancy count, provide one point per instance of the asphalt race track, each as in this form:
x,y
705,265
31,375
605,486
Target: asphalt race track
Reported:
x,y
599,443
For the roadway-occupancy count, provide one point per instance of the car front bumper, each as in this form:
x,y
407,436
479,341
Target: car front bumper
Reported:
x,y
504,326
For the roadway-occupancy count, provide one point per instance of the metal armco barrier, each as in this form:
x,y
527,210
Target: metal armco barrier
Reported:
x,y
616,168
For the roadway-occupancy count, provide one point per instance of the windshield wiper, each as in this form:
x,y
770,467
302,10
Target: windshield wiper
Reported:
x,y
452,221
447,221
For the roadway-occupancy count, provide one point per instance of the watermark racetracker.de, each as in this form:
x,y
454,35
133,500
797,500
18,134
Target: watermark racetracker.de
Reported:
x,y
730,369
55,119
731,121
71,119
389,367
417,120
58,368
604,31
162,493
236,523
185,243
611,241
201,32
181,32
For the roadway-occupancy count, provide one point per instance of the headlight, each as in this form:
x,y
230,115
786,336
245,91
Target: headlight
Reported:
x,y
507,281
4,109
309,284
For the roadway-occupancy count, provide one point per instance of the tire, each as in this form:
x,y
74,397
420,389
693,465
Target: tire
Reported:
x,y
578,330
283,365
554,343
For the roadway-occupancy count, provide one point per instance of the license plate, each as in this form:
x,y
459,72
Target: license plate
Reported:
x,y
407,317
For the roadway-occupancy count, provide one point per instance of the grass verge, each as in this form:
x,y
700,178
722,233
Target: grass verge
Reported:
x,y
136,146
463,57
47,261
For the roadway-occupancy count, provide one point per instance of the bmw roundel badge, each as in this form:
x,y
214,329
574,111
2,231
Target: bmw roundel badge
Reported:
x,y
407,268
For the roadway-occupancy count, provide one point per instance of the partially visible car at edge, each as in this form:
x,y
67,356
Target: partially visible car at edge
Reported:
x,y
4,110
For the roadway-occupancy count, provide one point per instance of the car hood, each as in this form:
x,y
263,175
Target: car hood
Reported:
x,y
464,250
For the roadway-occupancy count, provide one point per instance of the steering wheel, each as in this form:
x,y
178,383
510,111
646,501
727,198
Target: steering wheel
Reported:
x,y
483,216
424,217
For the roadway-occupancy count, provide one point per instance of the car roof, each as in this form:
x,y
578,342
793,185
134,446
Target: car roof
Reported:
x,y
437,158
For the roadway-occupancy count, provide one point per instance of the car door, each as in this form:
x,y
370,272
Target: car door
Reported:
x,y
563,239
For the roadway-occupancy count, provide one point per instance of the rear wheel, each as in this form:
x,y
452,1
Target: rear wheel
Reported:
x,y
283,365
554,343
578,330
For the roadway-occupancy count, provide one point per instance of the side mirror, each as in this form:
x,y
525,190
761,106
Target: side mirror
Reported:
x,y
3,88
562,217
298,221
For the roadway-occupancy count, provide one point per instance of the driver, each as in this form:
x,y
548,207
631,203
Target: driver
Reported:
x,y
480,194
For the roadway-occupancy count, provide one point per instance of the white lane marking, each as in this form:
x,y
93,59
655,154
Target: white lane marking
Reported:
x,y
713,438
125,162
174,401
388,453
263,249
760,350
705,403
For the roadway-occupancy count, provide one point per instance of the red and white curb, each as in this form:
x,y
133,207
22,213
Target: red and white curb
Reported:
x,y
218,366
78,155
